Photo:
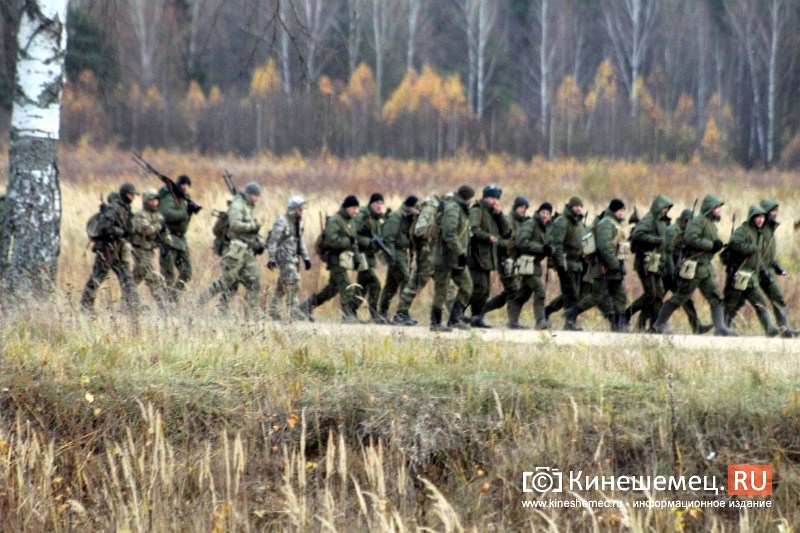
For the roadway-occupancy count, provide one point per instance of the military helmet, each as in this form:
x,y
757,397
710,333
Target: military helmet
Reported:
x,y
296,202
149,194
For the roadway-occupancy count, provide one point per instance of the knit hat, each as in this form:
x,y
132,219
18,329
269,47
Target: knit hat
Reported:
x,y
615,205
350,201
376,197
184,180
520,201
252,189
411,201
492,191
575,200
546,206
466,193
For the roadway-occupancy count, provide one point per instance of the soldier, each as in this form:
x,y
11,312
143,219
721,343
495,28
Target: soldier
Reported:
x,y
175,250
397,236
533,245
368,224
770,268
450,260
608,269
650,261
701,244
743,268
286,248
239,264
506,254
490,230
672,248
424,236
147,231
112,250
340,251
565,238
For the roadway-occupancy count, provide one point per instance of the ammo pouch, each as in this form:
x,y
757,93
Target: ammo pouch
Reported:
x,y
623,249
588,245
237,249
688,269
526,265
347,260
741,279
363,265
652,262
509,267
126,253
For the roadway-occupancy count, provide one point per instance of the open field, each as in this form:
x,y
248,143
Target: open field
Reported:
x,y
200,422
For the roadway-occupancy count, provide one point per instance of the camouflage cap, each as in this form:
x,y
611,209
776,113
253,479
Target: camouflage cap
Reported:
x,y
296,202
575,200
149,194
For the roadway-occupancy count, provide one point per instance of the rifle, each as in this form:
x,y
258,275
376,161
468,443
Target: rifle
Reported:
x,y
176,192
682,252
634,218
380,243
228,179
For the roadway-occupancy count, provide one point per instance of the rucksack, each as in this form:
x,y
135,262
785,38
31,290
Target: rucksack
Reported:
x,y
97,225
220,231
319,243
425,225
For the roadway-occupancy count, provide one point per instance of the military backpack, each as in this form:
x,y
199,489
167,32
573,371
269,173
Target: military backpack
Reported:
x,y
220,231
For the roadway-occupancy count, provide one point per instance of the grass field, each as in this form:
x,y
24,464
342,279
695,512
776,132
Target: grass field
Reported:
x,y
198,422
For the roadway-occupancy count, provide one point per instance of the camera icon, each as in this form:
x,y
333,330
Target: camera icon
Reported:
x,y
542,479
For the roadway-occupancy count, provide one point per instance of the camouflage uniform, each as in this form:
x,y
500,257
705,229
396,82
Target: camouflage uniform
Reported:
x,y
397,235
745,254
338,237
175,250
450,260
286,249
531,240
505,257
368,223
113,252
147,231
239,255
566,231
648,239
701,244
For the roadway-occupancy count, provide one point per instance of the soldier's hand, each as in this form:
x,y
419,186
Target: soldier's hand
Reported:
x,y
364,231
271,264
492,239
764,274
779,269
717,246
307,263
547,250
462,260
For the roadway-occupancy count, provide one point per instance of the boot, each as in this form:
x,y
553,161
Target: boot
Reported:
x,y
786,330
514,310
570,315
401,318
623,323
307,307
720,329
436,321
660,325
494,303
540,315
702,329
766,321
378,317
477,321
457,316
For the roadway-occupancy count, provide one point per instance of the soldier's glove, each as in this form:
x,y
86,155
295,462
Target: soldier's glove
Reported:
x,y
764,275
259,248
778,269
271,265
364,231
717,246
307,263
547,250
462,260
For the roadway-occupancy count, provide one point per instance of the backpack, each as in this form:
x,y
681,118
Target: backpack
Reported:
x,y
319,243
220,231
427,222
97,225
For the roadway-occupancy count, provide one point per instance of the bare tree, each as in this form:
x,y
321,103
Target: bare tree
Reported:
x,y
146,17
480,17
414,8
354,32
383,13
30,242
315,20
629,24
545,34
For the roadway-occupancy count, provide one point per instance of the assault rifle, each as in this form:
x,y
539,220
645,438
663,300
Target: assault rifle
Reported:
x,y
228,179
177,192
380,243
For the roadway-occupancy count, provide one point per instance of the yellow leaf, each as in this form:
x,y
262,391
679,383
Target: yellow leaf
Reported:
x,y
85,381
89,397
63,507
97,411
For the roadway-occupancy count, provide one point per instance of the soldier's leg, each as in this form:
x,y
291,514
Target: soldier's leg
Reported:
x,y
290,278
128,288
680,297
510,288
516,303
373,288
642,303
480,289
570,283
759,303
709,288
251,279
184,265
99,273
167,263
441,281
152,278
348,300
396,277
278,295
463,280
328,291
227,284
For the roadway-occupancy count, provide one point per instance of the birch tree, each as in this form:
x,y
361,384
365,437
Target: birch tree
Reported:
x,y
545,29
315,19
30,242
383,12
480,16
414,8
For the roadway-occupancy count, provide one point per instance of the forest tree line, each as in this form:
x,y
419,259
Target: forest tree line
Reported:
x,y
711,80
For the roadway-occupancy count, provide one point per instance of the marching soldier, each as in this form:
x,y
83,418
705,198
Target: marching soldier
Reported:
x,y
175,250
743,269
450,260
368,224
340,251
147,231
533,244
608,269
286,249
701,244
490,230
397,236
112,250
565,238
649,261
239,264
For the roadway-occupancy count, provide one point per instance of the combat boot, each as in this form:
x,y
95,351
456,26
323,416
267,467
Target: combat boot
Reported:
x,y
457,316
378,317
720,329
514,310
766,321
570,316
660,325
436,322
477,321
786,331
307,307
540,315
402,318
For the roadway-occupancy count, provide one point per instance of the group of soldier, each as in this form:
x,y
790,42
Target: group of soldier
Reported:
x,y
459,242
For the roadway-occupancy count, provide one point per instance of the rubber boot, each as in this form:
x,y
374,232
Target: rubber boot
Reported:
x,y
720,329
457,316
570,316
540,315
660,325
514,310
436,321
402,318
766,321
